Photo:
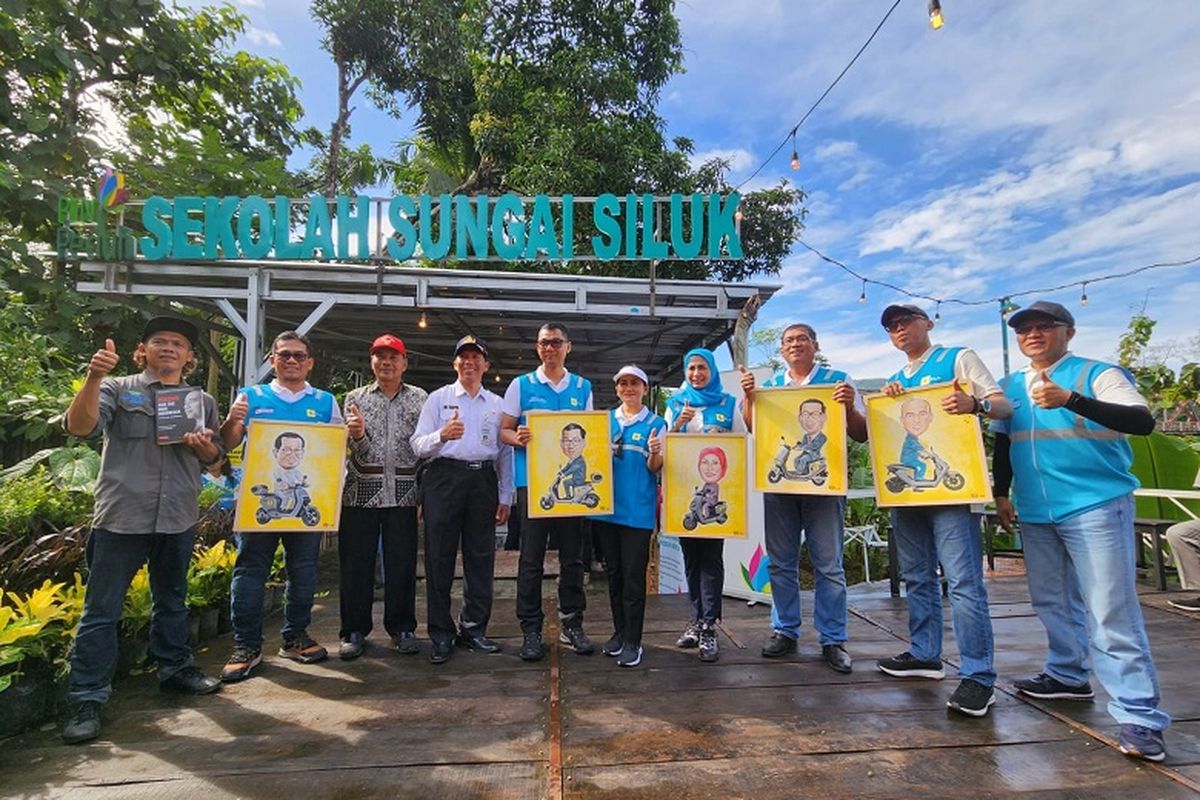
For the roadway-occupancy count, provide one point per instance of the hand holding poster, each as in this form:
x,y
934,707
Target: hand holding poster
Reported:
x,y
570,463
922,455
293,476
799,441
704,485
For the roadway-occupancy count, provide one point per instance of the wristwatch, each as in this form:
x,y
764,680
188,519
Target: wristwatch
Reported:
x,y
985,406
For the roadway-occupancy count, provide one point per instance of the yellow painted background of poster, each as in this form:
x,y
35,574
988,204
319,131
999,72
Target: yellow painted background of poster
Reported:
x,y
548,495
776,416
261,508
959,473
682,478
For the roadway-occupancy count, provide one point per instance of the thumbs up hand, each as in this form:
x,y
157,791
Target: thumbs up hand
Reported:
x,y
453,429
103,361
747,381
356,426
654,444
685,416
1048,394
959,402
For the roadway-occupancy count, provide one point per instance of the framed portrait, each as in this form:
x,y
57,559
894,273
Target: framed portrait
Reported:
x,y
923,456
799,441
570,463
292,477
705,485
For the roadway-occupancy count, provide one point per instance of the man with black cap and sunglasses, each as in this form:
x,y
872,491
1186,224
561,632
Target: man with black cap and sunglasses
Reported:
x,y
145,514
466,490
1066,457
949,534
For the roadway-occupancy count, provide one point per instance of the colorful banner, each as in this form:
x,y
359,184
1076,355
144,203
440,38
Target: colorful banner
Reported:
x,y
705,485
799,441
292,477
570,463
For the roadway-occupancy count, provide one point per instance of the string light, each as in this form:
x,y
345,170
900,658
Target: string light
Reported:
x,y
862,298
795,155
422,323
937,314
1083,298
738,216
935,14
496,378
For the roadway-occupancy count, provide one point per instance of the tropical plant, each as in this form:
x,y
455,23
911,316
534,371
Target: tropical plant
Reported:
x,y
38,627
135,614
209,575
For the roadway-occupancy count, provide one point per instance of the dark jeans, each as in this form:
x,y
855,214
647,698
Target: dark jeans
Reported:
x,y
460,506
113,559
362,534
704,564
256,552
626,552
531,570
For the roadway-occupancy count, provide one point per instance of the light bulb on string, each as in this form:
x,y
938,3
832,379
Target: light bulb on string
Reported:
x,y
422,323
937,313
862,298
795,153
1083,298
935,15
738,216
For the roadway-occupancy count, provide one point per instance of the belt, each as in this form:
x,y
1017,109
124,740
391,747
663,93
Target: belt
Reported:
x,y
459,464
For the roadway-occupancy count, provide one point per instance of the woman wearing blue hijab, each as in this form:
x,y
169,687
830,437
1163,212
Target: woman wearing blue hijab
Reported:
x,y
702,406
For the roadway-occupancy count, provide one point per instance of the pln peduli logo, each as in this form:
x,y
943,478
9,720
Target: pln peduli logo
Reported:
x,y
83,224
111,193
756,575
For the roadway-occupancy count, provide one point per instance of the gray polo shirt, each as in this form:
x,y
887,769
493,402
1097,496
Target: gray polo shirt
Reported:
x,y
143,487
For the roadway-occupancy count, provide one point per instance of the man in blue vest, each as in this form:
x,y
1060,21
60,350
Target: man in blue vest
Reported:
x,y
548,388
949,535
290,398
1067,458
788,517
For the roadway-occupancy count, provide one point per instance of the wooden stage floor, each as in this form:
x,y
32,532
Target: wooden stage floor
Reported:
x,y
389,726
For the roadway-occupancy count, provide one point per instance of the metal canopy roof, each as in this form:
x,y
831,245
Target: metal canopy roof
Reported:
x,y
612,321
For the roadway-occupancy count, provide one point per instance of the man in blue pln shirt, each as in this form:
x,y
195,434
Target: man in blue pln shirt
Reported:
x,y
1067,458
949,535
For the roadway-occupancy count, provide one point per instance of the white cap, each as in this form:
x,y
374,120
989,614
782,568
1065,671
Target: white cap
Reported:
x,y
634,370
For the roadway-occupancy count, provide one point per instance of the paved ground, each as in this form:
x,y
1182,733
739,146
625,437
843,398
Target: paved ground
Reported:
x,y
390,726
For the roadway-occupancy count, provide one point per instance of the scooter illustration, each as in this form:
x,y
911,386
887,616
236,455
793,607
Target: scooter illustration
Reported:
x,y
583,494
291,502
903,476
703,511
815,470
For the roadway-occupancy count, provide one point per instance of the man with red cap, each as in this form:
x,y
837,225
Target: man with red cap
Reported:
x,y
379,505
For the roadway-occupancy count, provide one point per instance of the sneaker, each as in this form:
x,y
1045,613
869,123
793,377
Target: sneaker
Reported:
x,y
190,680
305,650
240,664
407,644
577,639
709,651
690,636
351,647
83,724
613,646
531,647
906,665
477,642
972,698
440,652
778,646
1142,742
1043,687
1190,604
630,656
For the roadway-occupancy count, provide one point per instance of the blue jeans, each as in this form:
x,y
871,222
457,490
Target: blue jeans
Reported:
x,y
113,559
822,520
926,536
1081,575
256,552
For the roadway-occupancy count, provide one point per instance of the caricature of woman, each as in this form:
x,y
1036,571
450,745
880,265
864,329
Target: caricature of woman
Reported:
x,y
712,467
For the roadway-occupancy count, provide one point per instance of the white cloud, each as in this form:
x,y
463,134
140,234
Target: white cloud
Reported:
x,y
250,3
740,160
263,37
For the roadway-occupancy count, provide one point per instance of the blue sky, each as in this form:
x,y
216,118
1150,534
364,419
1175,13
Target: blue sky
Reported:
x,y
1026,144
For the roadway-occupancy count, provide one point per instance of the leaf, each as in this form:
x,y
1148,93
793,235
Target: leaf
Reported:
x,y
25,465
75,468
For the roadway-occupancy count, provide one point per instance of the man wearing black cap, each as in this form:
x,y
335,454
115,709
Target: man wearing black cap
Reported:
x,y
949,535
466,491
145,513
379,504
1067,458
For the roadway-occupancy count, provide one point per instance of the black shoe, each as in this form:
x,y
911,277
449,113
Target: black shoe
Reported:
x,y
613,646
837,658
407,644
631,655
1043,687
439,652
477,642
778,645
577,639
190,680
531,647
906,665
709,651
351,647
1185,604
690,637
83,724
972,698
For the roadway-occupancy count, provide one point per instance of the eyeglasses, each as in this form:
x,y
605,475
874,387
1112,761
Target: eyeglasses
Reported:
x,y
899,322
290,451
547,344
291,355
1040,327
799,339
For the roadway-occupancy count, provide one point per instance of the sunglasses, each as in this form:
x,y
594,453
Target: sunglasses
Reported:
x,y
1040,327
291,355
547,344
899,322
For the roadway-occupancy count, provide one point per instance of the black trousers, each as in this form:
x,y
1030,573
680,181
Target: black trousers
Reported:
x,y
704,565
460,507
626,552
359,535
531,568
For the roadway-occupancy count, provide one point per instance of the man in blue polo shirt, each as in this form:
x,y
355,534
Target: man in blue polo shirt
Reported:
x,y
548,388
288,397
1067,458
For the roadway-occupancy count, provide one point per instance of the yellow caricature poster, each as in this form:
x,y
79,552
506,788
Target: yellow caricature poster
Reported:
x,y
292,477
704,485
799,441
921,455
570,463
